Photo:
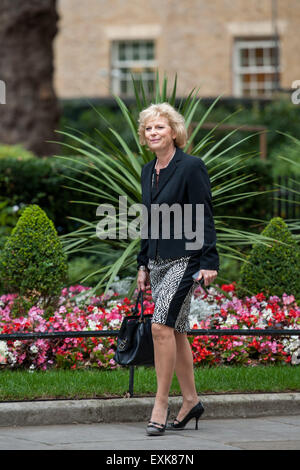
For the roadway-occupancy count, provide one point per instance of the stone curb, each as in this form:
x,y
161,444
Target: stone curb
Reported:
x,y
139,409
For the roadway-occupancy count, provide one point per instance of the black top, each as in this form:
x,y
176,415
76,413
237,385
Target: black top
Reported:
x,y
184,181
157,181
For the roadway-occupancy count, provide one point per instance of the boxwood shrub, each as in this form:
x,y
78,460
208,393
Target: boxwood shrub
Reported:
x,y
273,268
32,262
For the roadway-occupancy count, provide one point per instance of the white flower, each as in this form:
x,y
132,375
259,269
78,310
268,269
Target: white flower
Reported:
x,y
34,349
291,345
92,325
114,322
17,343
201,309
3,350
230,320
31,368
255,311
267,313
261,323
11,358
3,347
296,357
112,303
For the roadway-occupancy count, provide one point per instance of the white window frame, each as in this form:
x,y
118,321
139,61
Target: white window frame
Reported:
x,y
134,65
239,70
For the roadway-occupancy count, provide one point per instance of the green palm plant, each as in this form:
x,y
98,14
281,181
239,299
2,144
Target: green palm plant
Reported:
x,y
115,170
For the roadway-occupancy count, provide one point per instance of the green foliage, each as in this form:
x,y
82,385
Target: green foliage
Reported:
x,y
32,262
15,151
42,181
238,205
291,151
291,166
8,218
274,267
280,114
83,119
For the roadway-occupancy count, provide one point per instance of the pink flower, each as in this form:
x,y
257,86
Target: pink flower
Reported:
x,y
288,299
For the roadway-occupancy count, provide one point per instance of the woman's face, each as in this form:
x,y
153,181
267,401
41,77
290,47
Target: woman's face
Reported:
x,y
159,135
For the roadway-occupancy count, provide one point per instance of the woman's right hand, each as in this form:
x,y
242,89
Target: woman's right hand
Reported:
x,y
143,280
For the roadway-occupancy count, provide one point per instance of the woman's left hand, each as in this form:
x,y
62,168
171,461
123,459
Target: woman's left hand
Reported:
x,y
208,275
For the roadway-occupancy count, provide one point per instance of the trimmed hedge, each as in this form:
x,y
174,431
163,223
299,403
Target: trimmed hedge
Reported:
x,y
41,181
32,262
274,268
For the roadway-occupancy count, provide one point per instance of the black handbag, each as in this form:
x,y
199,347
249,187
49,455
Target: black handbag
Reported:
x,y
134,341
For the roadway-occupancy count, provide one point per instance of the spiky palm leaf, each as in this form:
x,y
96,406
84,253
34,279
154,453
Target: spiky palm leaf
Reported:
x,y
115,170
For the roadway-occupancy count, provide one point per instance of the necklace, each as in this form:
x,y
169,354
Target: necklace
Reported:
x,y
167,163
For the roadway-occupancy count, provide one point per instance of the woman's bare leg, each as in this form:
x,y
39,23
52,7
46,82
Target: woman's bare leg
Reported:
x,y
164,357
184,369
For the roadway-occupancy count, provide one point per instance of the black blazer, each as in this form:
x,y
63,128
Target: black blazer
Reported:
x,y
187,183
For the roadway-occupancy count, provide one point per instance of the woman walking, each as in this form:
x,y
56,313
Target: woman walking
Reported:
x,y
168,263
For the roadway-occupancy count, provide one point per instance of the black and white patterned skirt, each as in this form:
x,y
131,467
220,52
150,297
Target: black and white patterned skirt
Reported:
x,y
172,289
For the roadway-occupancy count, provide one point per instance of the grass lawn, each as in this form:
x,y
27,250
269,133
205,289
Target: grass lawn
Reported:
x,y
25,385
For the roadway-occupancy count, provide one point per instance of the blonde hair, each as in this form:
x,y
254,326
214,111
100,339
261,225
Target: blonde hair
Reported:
x,y
176,122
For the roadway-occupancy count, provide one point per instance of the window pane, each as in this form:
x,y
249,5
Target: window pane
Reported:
x,y
244,57
246,92
150,50
260,77
136,51
274,56
122,51
253,56
139,53
259,56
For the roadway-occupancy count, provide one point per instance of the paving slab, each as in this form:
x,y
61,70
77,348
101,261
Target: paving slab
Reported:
x,y
263,433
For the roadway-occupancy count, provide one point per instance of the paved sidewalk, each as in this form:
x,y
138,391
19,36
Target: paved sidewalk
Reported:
x,y
268,433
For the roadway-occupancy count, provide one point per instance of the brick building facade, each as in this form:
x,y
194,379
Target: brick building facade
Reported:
x,y
226,47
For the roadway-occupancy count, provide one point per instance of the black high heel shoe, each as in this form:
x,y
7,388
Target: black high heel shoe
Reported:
x,y
156,429
195,412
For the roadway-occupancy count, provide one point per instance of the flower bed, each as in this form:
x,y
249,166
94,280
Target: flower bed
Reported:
x,y
107,312
254,312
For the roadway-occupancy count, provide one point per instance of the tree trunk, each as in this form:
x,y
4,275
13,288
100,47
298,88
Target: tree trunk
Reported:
x,y
31,112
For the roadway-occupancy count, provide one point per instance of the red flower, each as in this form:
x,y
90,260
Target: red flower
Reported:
x,y
260,297
228,287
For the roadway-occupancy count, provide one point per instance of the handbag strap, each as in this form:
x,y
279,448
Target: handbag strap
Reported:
x,y
136,308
